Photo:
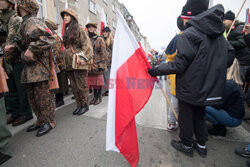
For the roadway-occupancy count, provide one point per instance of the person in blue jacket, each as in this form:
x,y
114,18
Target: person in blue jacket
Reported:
x,y
230,113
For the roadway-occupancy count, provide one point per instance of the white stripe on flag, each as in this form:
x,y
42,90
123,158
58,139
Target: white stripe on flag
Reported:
x,y
121,53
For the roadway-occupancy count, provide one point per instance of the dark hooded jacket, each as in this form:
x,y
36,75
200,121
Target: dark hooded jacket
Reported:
x,y
202,60
233,100
236,39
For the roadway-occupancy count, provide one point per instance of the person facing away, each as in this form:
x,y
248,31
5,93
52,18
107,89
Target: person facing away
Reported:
x,y
200,67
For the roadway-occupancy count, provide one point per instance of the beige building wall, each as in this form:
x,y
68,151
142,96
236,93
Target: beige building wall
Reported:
x,y
54,7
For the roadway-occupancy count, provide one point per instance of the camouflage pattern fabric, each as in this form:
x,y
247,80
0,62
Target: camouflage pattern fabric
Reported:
x,y
42,102
13,26
78,81
81,44
31,6
39,41
99,49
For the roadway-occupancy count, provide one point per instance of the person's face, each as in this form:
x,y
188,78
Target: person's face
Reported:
x,y
66,18
185,21
228,23
105,34
91,29
4,4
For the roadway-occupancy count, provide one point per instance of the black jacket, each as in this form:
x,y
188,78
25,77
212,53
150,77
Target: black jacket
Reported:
x,y
236,39
247,39
202,59
233,100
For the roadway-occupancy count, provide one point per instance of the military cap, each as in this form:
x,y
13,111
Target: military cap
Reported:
x,y
71,12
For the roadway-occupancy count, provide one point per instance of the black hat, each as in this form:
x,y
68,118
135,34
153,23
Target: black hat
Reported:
x,y
193,8
229,15
106,29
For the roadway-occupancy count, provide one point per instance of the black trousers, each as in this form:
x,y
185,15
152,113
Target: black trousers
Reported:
x,y
192,121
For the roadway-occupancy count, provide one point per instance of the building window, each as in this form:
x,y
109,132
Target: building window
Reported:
x,y
113,7
42,13
92,6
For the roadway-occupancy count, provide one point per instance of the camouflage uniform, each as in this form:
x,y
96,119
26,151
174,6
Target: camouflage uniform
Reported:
x,y
35,36
62,78
16,100
106,74
78,78
96,81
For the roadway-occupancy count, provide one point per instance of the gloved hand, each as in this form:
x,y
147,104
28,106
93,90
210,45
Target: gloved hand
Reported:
x,y
153,71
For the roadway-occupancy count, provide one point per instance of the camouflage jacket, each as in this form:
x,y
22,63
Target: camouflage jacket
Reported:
x,y
39,41
12,23
81,44
109,52
100,57
58,51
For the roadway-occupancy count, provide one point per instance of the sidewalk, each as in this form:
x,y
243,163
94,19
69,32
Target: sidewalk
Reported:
x,y
79,141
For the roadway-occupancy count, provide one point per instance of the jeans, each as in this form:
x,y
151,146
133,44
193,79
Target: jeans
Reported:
x,y
221,117
171,116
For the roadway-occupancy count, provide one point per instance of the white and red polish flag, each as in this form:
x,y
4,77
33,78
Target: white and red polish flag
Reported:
x,y
63,27
103,20
129,61
87,21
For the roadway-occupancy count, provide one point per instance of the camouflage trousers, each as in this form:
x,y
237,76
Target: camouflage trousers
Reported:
x,y
78,81
42,102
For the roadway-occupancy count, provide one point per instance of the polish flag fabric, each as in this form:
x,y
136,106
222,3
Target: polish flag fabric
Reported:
x,y
103,20
87,21
63,27
129,63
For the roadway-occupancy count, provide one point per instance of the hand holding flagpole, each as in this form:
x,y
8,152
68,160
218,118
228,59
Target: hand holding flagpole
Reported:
x,y
236,17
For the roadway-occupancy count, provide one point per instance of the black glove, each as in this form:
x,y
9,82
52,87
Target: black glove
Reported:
x,y
153,71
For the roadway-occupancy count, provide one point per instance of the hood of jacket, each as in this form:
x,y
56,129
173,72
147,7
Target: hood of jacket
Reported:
x,y
209,22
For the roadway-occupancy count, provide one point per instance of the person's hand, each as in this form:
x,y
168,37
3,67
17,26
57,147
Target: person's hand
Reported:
x,y
82,62
152,72
28,55
246,29
9,48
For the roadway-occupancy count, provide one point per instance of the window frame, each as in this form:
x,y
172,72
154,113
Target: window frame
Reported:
x,y
94,10
42,5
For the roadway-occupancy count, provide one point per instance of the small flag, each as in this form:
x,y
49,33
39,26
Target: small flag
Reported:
x,y
103,20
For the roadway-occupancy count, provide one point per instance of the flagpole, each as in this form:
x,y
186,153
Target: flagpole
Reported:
x,y
167,99
236,17
158,82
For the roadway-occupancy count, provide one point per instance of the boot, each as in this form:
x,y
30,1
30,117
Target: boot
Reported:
x,y
45,128
98,101
99,96
92,101
218,130
83,110
59,100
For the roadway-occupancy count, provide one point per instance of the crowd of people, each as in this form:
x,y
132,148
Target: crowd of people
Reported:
x,y
208,62
207,70
38,63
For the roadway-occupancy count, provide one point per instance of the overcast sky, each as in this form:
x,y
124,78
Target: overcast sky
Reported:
x,y
157,18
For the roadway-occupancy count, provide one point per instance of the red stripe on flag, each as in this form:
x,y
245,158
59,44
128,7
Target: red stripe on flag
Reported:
x,y
102,26
248,18
49,30
129,101
63,29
